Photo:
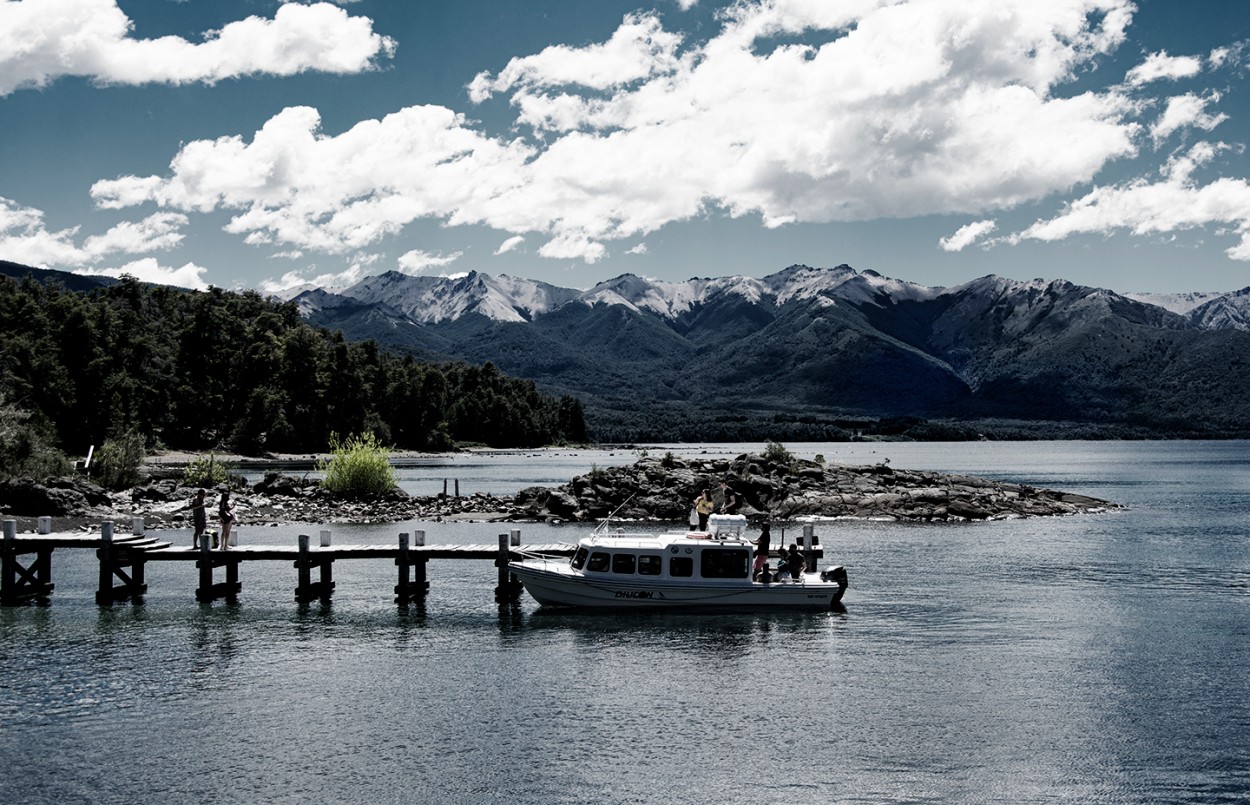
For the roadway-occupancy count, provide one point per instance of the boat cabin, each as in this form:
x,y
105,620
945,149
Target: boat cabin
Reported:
x,y
717,554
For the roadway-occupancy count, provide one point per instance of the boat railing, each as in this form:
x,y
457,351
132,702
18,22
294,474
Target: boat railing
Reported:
x,y
543,560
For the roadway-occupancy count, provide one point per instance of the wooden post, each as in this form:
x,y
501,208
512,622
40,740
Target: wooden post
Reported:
x,y
409,588
325,538
444,487
307,589
808,554
104,593
303,571
204,593
8,575
508,589
420,583
457,487
136,527
45,525
19,584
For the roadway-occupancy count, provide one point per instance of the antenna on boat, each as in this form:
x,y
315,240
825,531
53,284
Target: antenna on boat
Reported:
x,y
604,525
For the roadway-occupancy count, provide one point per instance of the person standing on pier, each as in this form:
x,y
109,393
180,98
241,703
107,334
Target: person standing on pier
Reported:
x,y
225,512
199,518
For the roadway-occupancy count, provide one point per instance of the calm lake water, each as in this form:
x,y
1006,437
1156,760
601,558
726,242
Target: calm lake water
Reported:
x,y
1099,658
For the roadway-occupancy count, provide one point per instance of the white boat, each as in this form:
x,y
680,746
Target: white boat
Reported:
x,y
687,569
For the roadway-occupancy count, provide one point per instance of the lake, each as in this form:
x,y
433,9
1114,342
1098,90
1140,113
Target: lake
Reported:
x,y
1101,658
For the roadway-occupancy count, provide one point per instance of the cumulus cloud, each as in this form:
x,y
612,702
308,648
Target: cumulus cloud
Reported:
x,y
791,111
25,238
1173,203
967,235
1186,111
418,261
1160,65
148,269
42,40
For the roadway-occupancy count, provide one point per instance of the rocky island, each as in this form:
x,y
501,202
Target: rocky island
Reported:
x,y
778,488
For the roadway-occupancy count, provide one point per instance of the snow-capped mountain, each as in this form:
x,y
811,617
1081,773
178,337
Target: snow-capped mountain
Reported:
x,y
827,339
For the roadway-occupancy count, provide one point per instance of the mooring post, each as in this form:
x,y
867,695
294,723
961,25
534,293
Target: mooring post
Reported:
x,y
204,593
420,584
8,575
104,595
411,585
509,589
136,527
444,487
45,525
808,554
303,569
457,487
325,538
308,589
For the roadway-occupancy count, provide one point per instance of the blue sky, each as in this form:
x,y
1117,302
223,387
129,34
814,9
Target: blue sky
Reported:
x,y
259,144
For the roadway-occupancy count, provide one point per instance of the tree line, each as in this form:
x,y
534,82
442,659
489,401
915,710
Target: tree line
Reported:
x,y
224,370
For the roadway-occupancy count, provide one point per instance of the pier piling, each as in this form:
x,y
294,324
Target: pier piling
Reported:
x,y
412,584
119,560
308,590
22,583
509,587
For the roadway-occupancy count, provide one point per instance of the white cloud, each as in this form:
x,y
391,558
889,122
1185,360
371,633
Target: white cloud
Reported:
x,y
639,49
42,40
641,248
1171,204
1162,66
25,238
511,244
967,235
417,261
1186,111
864,110
148,269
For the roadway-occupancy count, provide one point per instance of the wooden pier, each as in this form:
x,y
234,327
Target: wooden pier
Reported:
x,y
26,571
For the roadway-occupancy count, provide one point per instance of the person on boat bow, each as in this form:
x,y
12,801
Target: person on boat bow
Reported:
x,y
704,506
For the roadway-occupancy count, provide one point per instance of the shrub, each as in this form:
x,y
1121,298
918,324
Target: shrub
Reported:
x,y
206,472
116,464
358,466
24,446
777,453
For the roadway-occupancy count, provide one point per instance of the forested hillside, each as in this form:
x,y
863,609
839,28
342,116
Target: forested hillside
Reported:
x,y
217,370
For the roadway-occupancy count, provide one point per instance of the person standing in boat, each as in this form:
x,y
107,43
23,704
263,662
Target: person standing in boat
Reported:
x,y
704,506
761,552
728,503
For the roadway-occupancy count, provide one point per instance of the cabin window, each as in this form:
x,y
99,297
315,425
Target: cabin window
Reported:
x,y
623,563
724,564
680,566
649,565
598,561
579,558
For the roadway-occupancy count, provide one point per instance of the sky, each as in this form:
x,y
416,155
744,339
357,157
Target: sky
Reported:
x,y
262,144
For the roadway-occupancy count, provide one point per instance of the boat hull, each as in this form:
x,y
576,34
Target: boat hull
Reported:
x,y
557,588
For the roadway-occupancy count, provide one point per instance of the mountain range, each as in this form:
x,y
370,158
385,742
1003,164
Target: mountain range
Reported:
x,y
829,343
